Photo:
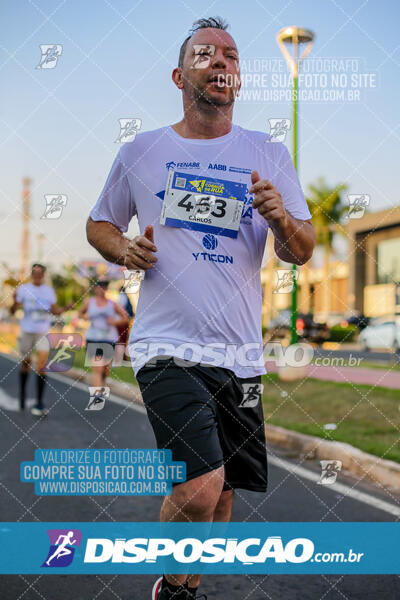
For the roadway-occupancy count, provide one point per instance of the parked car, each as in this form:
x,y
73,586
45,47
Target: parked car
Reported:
x,y
360,320
381,333
307,328
311,330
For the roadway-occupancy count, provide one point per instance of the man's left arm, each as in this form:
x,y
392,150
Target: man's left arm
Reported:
x,y
58,310
294,238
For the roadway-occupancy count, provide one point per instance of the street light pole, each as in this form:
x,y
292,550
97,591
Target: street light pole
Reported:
x,y
293,321
295,36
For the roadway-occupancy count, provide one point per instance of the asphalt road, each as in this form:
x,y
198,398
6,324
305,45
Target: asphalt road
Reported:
x,y
291,497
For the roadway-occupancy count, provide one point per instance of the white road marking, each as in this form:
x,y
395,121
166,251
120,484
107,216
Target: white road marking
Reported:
x,y
11,403
346,490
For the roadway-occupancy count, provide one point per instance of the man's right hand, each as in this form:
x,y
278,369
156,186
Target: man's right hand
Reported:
x,y
140,251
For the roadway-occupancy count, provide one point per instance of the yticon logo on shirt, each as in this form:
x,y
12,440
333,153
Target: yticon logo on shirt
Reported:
x,y
62,547
209,185
210,242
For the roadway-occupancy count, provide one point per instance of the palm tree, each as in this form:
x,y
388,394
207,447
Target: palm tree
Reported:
x,y
327,209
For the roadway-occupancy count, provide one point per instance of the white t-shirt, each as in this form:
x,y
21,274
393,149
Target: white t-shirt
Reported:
x,y
36,301
99,329
204,294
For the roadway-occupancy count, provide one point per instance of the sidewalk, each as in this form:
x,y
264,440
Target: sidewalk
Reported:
x,y
377,377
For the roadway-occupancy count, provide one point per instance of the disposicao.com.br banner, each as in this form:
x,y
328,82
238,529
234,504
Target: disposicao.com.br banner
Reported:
x,y
219,548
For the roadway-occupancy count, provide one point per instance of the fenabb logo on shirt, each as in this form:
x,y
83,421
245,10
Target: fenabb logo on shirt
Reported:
x,y
171,164
182,165
210,242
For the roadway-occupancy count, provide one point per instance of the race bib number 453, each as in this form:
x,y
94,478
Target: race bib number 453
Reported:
x,y
203,204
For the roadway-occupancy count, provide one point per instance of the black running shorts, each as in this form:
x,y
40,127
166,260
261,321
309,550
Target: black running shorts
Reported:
x,y
208,417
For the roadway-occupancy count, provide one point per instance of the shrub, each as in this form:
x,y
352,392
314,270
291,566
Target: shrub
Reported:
x,y
338,333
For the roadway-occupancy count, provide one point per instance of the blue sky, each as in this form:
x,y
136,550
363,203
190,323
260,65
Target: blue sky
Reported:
x,y
58,126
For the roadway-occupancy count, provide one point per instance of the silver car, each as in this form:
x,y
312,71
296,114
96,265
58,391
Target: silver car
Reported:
x,y
381,333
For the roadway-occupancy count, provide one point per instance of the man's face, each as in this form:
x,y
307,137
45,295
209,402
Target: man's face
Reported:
x,y
211,67
37,275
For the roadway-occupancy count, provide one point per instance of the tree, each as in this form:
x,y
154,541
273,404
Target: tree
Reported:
x,y
327,209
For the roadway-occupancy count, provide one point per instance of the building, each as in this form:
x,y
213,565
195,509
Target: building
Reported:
x,y
374,263
322,291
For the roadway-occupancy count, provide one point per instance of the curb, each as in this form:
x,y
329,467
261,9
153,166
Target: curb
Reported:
x,y
355,461
128,391
359,463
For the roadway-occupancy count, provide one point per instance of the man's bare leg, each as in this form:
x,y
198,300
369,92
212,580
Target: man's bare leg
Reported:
x,y
194,500
97,376
222,514
223,510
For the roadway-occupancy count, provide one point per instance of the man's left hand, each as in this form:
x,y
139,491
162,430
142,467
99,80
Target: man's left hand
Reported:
x,y
268,201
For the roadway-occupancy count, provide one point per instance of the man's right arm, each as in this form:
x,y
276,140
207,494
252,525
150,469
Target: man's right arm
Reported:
x,y
114,247
15,303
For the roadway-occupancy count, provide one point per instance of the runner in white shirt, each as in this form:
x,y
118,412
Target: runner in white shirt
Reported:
x,y
205,192
38,301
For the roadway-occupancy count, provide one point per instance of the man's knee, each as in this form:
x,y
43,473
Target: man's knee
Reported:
x,y
201,495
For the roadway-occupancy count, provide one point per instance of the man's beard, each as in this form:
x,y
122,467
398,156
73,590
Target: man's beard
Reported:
x,y
201,95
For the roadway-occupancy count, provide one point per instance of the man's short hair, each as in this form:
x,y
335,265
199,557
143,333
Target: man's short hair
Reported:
x,y
213,22
38,265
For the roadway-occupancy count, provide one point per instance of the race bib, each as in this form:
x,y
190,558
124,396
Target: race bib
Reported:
x,y
39,315
203,204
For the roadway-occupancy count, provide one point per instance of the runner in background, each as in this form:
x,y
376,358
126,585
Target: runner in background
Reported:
x,y
123,330
38,301
105,317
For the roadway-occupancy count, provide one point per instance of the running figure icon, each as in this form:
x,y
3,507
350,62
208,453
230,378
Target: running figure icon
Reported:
x,y
62,549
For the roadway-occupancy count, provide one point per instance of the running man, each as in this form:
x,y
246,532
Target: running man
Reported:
x,y
38,301
105,317
201,292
